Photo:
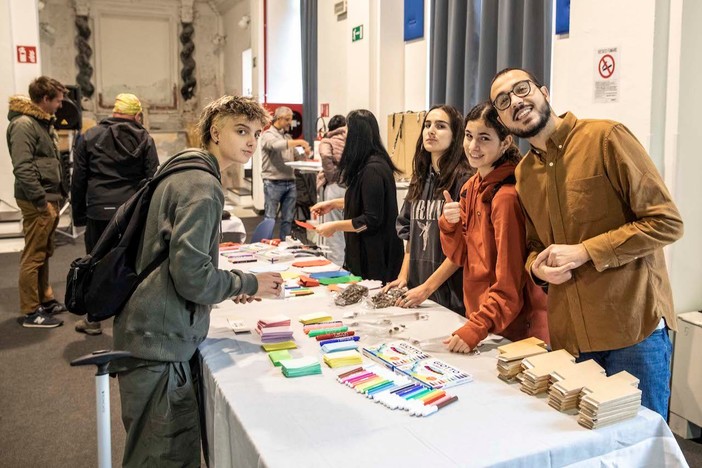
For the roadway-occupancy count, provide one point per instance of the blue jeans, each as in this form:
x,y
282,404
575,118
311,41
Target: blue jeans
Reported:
x,y
649,361
280,193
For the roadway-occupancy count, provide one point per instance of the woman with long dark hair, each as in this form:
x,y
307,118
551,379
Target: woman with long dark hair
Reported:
x,y
373,250
439,164
484,231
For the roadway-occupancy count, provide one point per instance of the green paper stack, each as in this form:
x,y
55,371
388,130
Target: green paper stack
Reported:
x,y
326,331
300,367
340,280
277,356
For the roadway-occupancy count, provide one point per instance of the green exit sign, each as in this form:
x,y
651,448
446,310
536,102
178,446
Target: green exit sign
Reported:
x,y
357,33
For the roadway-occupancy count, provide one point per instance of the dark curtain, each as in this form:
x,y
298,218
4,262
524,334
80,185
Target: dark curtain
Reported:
x,y
473,39
308,21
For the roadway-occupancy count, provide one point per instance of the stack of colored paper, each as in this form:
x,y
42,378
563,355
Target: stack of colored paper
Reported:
x,y
322,325
274,321
268,347
340,280
277,356
275,334
536,376
567,383
339,346
343,358
316,317
509,362
327,331
274,329
300,367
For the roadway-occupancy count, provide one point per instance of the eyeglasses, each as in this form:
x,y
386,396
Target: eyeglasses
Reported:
x,y
520,89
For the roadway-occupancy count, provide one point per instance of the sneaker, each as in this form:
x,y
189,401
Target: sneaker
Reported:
x,y
40,319
90,328
53,307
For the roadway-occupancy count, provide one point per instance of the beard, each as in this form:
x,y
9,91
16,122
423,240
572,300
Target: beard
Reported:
x,y
534,129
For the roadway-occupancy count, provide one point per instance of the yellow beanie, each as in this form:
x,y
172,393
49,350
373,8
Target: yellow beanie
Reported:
x,y
127,104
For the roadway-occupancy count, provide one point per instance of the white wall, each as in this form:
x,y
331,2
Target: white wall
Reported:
x,y
381,72
598,24
283,52
237,41
19,25
683,159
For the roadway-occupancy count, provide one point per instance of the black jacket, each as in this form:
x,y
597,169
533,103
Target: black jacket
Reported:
x,y
371,204
109,164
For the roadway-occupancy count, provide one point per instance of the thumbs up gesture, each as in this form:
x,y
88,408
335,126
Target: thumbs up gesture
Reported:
x,y
452,210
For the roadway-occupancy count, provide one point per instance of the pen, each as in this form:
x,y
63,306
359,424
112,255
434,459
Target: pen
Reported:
x,y
356,376
334,335
368,386
361,386
379,388
440,404
345,374
339,340
363,380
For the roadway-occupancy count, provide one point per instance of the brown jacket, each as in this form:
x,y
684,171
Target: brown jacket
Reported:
x,y
596,185
489,243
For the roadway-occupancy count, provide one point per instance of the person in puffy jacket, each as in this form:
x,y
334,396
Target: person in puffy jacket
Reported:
x,y
36,164
110,162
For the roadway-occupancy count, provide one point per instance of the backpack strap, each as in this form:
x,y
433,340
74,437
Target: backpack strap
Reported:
x,y
509,180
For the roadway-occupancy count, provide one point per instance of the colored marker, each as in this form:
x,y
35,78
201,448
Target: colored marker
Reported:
x,y
438,405
339,340
383,383
345,374
334,335
356,376
368,383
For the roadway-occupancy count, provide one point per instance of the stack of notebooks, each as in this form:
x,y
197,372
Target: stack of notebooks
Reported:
x,y
536,375
275,330
300,367
509,362
349,357
609,400
568,381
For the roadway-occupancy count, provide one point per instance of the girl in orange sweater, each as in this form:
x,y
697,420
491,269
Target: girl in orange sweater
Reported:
x,y
484,231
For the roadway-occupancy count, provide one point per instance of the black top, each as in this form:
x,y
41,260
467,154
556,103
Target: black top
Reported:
x,y
418,224
371,204
110,163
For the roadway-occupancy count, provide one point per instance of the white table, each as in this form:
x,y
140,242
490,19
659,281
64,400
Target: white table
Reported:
x,y
257,417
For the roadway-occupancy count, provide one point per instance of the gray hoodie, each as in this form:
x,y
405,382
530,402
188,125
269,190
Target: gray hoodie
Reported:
x,y
168,315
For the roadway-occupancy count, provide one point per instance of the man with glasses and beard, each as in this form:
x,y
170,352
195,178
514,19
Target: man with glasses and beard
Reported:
x,y
598,217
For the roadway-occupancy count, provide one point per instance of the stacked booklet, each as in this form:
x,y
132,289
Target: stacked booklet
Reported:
x,y
275,329
568,381
509,362
349,357
300,367
609,400
536,375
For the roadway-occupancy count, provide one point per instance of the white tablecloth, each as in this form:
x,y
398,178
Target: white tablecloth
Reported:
x,y
257,417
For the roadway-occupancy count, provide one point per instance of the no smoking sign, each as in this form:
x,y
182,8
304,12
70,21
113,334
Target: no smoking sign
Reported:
x,y
606,77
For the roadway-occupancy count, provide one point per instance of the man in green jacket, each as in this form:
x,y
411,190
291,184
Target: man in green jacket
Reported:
x,y
168,315
36,163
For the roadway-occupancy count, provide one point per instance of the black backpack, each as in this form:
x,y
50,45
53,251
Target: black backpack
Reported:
x,y
100,283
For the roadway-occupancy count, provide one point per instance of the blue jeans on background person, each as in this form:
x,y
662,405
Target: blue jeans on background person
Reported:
x,y
280,193
648,361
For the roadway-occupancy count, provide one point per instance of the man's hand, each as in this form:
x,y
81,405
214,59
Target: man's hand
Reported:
x,y
414,297
327,229
556,255
245,299
452,209
398,283
553,275
302,144
456,345
270,284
